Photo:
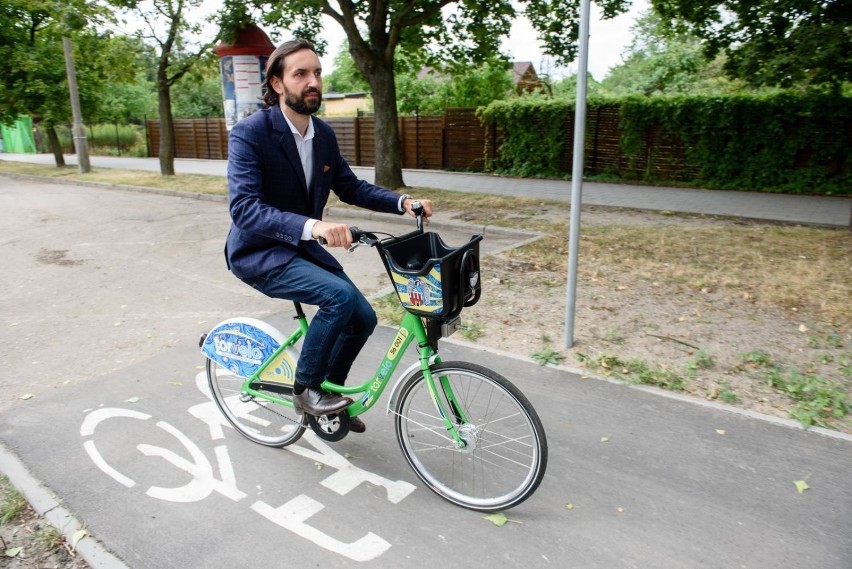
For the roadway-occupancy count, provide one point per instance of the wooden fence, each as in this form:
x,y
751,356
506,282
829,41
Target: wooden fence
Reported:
x,y
458,141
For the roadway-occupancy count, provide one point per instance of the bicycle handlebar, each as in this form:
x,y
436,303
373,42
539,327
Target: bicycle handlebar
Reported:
x,y
360,236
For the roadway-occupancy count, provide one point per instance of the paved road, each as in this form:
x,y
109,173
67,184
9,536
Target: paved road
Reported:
x,y
812,210
104,294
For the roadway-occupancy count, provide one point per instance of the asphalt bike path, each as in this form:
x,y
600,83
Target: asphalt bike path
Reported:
x,y
832,211
105,293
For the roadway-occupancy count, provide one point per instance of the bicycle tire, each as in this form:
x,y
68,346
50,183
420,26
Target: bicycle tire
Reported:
x,y
259,420
505,458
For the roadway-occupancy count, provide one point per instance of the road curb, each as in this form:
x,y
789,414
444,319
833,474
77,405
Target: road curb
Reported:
x,y
47,505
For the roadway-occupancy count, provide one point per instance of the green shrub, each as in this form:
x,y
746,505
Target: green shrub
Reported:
x,y
783,141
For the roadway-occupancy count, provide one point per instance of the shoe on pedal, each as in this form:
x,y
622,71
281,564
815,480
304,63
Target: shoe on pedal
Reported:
x,y
315,401
356,425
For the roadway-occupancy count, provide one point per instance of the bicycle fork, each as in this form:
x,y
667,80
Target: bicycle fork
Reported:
x,y
445,400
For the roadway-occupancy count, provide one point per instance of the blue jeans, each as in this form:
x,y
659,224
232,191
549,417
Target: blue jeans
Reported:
x,y
341,326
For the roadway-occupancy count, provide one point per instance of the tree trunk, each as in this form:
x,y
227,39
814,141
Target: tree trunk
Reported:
x,y
388,147
167,130
55,145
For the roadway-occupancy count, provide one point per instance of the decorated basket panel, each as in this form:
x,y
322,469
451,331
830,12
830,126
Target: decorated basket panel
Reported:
x,y
421,292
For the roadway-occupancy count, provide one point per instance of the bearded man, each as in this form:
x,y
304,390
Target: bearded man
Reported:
x,y
282,164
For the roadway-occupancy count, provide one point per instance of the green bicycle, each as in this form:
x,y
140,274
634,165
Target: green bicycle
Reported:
x,y
469,434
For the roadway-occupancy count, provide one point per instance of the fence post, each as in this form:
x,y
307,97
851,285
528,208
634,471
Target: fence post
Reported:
x,y
417,161
400,125
594,161
207,136
147,138
444,141
358,139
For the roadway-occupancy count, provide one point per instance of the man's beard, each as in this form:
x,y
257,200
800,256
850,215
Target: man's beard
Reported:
x,y
300,105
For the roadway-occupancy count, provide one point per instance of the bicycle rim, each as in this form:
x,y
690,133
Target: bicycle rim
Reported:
x,y
259,420
505,455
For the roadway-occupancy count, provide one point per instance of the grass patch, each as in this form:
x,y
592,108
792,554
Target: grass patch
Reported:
x,y
471,331
388,309
634,371
12,502
790,267
818,400
192,183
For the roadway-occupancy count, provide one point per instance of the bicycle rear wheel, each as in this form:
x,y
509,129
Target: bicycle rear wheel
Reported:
x,y
505,453
260,420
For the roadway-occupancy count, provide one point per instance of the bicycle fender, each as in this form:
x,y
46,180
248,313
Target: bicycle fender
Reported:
x,y
412,370
241,345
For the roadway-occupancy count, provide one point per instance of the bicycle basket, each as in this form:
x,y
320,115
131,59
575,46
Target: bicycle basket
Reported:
x,y
432,279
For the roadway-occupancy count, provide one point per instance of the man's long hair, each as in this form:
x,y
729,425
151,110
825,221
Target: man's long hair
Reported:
x,y
275,67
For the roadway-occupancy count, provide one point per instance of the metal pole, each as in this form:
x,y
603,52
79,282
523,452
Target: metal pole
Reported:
x,y
577,172
81,145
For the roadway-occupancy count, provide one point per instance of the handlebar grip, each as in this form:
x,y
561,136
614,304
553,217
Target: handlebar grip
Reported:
x,y
356,235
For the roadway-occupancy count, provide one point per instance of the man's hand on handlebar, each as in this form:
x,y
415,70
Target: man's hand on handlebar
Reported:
x,y
332,234
427,207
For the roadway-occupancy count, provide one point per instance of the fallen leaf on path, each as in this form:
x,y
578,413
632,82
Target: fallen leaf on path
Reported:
x,y
78,535
801,486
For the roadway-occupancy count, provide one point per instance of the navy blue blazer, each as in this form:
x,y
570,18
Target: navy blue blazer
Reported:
x,y
269,198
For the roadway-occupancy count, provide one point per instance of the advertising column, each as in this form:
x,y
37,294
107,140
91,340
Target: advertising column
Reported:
x,y
242,65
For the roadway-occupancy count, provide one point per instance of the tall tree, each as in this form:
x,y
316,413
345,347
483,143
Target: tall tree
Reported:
x,y
771,42
167,25
662,61
463,32
34,79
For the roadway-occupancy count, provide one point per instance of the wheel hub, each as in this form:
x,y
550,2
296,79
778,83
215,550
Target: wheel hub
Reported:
x,y
469,435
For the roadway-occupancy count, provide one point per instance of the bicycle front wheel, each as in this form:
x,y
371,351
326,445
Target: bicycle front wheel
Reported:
x,y
504,455
260,420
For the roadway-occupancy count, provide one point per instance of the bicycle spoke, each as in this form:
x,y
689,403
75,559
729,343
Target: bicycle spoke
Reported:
x,y
504,455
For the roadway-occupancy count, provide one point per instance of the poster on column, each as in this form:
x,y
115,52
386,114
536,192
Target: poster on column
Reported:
x,y
242,82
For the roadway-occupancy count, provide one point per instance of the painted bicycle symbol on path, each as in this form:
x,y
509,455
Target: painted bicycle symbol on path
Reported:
x,y
218,476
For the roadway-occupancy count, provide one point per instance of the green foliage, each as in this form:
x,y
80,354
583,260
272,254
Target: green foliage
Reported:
x,y
819,400
784,141
727,394
472,331
547,356
535,135
345,78
635,371
12,503
655,63
437,91
459,33
770,42
702,360
198,93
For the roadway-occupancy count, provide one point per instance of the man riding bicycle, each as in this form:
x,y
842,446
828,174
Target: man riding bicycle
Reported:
x,y
282,165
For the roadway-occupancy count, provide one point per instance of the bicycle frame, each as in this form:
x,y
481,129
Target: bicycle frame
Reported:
x,y
411,328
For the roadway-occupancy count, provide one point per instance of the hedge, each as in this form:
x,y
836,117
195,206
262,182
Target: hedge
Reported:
x,y
781,142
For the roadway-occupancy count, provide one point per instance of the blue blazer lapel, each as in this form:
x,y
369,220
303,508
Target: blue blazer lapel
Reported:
x,y
288,144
